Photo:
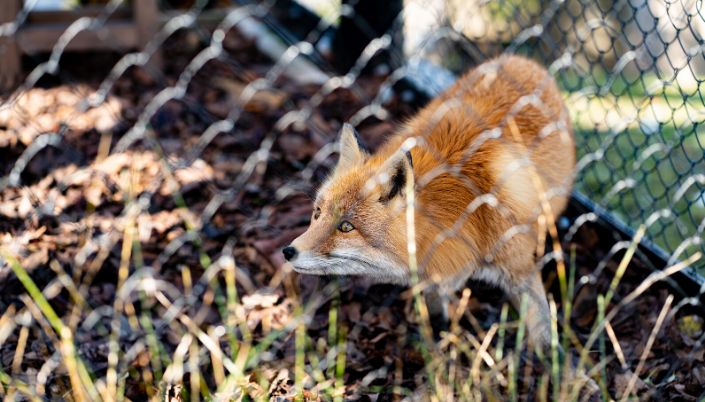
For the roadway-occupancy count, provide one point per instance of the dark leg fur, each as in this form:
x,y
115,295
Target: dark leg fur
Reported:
x,y
538,314
538,323
437,311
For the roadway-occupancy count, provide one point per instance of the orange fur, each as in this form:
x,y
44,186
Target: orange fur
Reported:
x,y
502,130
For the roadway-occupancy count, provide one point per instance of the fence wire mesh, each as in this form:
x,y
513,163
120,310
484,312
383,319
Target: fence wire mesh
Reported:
x,y
145,198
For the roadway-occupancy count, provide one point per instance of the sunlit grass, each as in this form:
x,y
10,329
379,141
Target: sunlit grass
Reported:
x,y
237,359
646,135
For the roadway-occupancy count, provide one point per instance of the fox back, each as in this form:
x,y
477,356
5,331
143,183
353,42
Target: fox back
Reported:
x,y
481,158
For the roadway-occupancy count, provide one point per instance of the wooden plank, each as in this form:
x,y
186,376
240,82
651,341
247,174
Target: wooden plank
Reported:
x,y
90,10
43,37
117,34
11,64
209,17
146,16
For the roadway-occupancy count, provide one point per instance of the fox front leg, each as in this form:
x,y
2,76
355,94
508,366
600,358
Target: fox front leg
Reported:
x,y
437,310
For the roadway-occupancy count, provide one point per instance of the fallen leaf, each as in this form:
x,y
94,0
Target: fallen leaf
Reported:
x,y
621,382
266,99
264,298
691,325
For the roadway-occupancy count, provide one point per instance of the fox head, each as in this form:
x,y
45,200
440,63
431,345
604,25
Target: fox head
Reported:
x,y
358,226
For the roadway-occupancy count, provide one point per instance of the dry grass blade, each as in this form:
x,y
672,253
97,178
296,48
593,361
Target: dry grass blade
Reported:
x,y
648,282
647,348
615,344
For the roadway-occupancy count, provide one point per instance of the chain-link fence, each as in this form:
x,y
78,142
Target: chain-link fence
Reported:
x,y
632,82
642,63
153,177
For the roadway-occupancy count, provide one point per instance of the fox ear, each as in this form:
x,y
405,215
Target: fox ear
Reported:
x,y
394,174
352,151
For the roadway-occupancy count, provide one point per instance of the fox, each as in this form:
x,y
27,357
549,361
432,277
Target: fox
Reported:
x,y
486,162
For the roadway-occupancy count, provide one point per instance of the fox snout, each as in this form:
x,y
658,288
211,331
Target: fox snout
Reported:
x,y
289,253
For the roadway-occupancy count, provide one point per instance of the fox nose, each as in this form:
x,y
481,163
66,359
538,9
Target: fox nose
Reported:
x,y
289,253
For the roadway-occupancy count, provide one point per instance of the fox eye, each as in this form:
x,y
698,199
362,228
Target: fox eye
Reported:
x,y
317,214
346,227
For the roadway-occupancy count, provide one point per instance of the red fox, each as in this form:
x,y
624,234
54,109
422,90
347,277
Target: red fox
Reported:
x,y
483,153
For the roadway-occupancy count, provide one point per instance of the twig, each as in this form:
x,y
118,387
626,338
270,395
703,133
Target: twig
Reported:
x,y
649,344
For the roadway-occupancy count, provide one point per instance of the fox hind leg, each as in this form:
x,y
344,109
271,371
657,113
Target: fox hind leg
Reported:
x,y
538,314
437,306
538,322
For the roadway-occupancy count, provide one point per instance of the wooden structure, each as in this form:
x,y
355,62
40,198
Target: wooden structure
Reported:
x,y
131,27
